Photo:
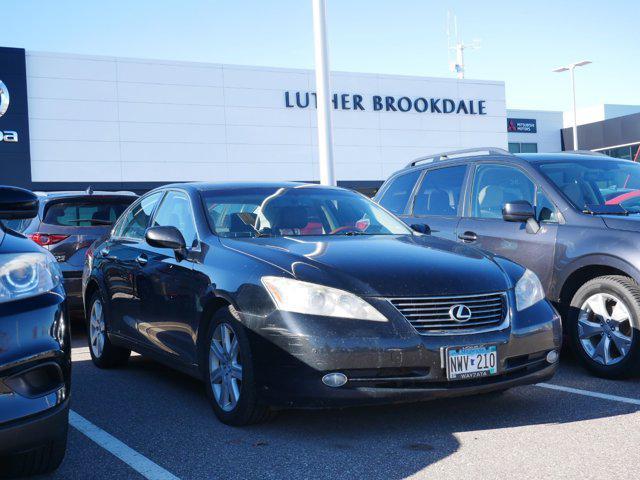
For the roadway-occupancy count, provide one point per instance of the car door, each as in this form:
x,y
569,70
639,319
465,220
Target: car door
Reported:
x,y
397,191
119,255
437,202
483,226
167,287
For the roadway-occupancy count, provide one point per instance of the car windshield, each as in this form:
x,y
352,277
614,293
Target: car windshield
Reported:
x,y
597,185
297,211
86,211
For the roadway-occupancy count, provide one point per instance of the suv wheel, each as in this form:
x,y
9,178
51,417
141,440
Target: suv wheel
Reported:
x,y
103,353
230,380
603,322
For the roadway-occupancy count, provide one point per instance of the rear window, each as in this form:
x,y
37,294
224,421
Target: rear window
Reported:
x,y
85,212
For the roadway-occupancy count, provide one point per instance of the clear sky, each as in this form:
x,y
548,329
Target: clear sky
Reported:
x,y
522,40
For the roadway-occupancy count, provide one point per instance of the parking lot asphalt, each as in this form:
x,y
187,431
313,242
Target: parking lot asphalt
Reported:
x,y
159,421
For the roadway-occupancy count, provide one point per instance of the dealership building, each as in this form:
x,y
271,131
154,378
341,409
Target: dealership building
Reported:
x,y
69,121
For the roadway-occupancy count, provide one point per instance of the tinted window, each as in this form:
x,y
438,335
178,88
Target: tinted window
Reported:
x,y
85,212
545,210
439,193
597,182
297,211
495,185
396,196
134,223
175,211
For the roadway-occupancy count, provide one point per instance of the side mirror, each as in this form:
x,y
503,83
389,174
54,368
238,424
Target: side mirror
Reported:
x,y
17,204
518,211
167,237
421,228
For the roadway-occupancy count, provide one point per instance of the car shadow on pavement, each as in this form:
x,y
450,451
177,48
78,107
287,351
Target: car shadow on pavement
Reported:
x,y
165,415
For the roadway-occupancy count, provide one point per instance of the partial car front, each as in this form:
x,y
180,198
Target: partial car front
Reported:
x,y
395,318
35,357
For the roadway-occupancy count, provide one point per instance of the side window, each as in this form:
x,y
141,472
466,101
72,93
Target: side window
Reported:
x,y
495,185
175,211
395,197
440,192
545,210
135,222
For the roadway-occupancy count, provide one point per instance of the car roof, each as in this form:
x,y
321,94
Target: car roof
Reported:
x,y
79,193
221,186
563,157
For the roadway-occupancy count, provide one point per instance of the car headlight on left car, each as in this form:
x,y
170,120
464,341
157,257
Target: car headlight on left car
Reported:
x,y
529,290
25,275
293,295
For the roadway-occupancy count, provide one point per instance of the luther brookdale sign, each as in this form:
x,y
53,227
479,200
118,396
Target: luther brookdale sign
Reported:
x,y
354,101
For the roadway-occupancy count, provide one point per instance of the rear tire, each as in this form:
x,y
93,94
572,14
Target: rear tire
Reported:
x,y
103,353
230,373
603,322
37,461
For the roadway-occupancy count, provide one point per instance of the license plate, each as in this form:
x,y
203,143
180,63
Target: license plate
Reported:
x,y
471,362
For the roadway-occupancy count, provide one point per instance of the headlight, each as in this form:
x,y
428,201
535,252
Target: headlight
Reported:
x,y
301,297
528,290
27,274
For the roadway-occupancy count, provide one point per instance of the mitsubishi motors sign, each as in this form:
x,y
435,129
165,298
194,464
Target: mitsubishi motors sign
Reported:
x,y
522,125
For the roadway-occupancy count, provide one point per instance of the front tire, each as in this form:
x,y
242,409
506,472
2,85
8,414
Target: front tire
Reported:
x,y
37,461
603,322
230,372
103,353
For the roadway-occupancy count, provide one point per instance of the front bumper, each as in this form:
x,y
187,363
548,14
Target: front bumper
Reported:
x,y
390,362
35,366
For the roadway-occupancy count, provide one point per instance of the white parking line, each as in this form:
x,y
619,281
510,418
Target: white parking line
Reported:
x,y
81,354
588,393
135,460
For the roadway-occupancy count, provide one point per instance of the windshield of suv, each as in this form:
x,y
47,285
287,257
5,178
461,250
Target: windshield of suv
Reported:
x,y
594,183
297,211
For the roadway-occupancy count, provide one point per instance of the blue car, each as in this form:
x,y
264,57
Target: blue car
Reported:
x,y
35,349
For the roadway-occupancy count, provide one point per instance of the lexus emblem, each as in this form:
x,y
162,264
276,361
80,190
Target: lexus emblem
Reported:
x,y
460,313
4,98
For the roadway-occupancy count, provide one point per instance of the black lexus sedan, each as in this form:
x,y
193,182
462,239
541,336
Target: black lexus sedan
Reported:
x,y
35,349
295,295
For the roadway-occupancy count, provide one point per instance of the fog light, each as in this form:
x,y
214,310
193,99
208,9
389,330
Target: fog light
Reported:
x,y
552,356
334,379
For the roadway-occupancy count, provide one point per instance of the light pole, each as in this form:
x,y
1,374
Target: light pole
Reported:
x,y
323,94
571,69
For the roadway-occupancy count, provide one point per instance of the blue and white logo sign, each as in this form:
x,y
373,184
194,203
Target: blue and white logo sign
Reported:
x,y
4,98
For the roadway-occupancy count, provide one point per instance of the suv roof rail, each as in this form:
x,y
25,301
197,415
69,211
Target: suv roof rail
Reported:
x,y
469,152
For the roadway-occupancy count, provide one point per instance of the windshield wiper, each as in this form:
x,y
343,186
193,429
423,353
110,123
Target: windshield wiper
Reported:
x,y
352,233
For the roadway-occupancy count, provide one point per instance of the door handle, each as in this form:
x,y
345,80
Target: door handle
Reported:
x,y
468,237
142,259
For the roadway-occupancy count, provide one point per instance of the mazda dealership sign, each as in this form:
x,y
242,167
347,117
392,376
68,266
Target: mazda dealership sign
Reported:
x,y
15,158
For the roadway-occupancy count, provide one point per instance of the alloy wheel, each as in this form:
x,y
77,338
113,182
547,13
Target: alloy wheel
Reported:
x,y
225,367
96,329
604,328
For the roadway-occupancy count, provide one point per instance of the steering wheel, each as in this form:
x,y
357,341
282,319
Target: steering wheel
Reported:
x,y
346,228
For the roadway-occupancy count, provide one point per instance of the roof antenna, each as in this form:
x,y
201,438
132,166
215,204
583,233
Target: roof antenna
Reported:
x,y
89,190
458,46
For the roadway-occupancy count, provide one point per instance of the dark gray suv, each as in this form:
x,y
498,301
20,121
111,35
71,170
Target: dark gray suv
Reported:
x,y
572,218
67,224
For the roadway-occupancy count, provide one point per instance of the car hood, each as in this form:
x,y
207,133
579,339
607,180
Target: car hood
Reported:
x,y
380,265
628,224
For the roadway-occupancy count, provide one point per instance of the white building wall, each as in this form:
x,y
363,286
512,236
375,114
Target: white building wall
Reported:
x,y
549,125
597,113
116,119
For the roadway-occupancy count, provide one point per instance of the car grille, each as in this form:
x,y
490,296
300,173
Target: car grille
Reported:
x,y
431,314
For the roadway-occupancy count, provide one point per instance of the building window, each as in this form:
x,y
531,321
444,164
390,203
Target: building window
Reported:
x,y
516,147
